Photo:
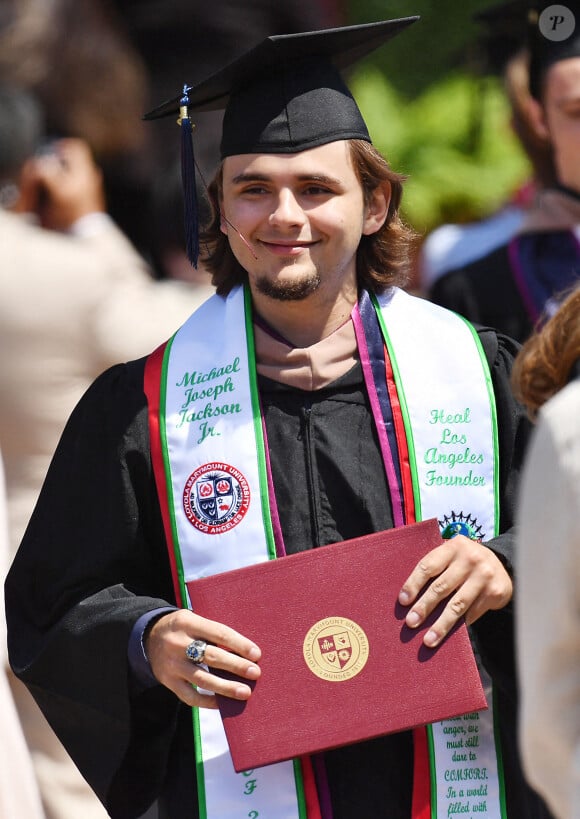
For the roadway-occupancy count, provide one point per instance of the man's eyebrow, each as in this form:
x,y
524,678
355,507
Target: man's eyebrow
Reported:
x,y
320,177
242,178
249,177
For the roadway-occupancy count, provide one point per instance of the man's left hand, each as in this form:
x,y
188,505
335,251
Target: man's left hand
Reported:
x,y
463,570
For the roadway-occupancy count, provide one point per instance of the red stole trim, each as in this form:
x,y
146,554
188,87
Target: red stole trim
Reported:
x,y
421,776
421,807
310,789
403,450
152,389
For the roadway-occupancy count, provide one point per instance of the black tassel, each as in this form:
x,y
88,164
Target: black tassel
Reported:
x,y
191,215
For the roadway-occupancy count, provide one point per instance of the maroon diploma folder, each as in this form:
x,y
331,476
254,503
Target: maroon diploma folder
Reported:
x,y
339,665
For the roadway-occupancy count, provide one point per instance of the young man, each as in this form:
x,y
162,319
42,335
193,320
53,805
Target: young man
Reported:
x,y
310,401
521,281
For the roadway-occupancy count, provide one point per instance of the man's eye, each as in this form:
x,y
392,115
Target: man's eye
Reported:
x,y
254,189
570,108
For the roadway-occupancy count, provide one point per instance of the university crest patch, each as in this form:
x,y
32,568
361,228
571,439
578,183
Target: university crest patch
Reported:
x,y
216,497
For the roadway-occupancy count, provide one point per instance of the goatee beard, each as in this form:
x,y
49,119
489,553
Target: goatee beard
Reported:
x,y
289,291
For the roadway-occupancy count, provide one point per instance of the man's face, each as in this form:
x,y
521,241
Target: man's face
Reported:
x,y
561,99
301,216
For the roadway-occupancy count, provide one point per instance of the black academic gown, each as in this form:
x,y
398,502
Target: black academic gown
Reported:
x,y
94,559
486,290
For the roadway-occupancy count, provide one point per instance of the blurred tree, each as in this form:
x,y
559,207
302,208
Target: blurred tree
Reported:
x,y
444,39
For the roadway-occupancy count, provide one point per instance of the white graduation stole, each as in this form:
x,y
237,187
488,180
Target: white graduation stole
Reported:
x,y
452,441
218,518
210,427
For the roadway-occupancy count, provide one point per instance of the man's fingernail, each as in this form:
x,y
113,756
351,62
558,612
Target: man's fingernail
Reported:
x,y
413,619
431,638
242,692
253,672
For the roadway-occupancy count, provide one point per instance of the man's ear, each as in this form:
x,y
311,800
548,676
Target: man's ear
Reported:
x,y
537,118
376,210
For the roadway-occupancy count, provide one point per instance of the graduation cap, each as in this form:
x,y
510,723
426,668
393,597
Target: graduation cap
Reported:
x,y
546,45
284,95
504,30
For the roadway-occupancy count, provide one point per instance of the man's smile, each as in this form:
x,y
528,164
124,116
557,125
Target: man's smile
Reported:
x,y
286,247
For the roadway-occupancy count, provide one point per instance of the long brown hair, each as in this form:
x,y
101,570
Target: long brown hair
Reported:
x,y
383,258
545,362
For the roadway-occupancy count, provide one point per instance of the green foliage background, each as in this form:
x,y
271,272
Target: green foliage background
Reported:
x,y
437,114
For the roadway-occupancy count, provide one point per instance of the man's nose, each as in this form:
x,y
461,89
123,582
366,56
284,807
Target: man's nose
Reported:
x,y
287,209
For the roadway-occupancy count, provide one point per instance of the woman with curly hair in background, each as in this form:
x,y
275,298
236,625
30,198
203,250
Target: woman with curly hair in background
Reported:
x,y
546,377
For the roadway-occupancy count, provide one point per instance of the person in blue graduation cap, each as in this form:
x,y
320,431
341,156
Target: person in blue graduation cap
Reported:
x,y
310,401
518,284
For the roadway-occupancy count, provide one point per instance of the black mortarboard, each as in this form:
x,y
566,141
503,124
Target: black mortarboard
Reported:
x,y
545,50
503,32
285,94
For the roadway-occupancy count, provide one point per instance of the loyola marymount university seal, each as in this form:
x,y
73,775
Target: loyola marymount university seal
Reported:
x,y
336,649
216,497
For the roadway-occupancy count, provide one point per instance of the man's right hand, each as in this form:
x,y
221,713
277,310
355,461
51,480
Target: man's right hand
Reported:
x,y
165,645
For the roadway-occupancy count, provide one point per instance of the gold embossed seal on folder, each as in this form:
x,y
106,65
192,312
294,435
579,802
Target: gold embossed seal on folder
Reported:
x,y
336,649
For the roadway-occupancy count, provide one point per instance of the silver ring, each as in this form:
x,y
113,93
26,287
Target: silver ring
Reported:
x,y
195,651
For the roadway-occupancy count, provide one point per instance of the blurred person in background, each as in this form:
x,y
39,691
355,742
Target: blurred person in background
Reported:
x,y
76,60
546,378
19,796
500,51
511,287
75,297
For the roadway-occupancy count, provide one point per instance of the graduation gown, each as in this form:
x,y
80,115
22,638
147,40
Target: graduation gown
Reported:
x,y
94,559
511,291
485,291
